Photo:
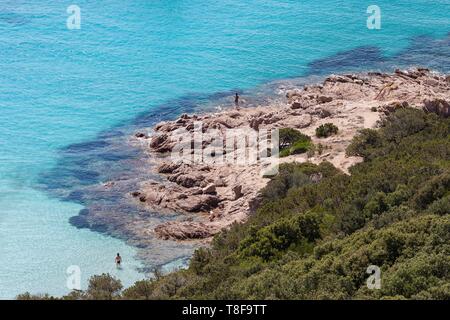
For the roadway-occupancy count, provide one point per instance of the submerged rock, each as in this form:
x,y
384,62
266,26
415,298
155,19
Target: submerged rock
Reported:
x,y
183,230
141,135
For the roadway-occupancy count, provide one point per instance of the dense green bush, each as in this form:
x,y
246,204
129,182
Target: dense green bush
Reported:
x,y
285,233
103,287
326,130
292,141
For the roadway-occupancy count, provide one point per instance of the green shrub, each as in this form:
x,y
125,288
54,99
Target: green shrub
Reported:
x,y
271,240
289,136
441,206
363,142
293,142
326,130
103,287
140,290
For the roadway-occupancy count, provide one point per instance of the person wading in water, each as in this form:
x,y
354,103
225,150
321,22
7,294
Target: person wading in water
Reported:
x,y
236,100
118,260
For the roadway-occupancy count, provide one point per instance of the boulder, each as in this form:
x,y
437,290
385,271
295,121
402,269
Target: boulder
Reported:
x,y
271,118
195,191
182,196
164,127
336,78
292,93
154,197
161,143
324,99
322,113
189,181
304,121
174,177
431,82
168,167
200,203
438,106
255,123
237,192
157,140
183,230
407,74
210,189
296,105
392,107
220,182
183,119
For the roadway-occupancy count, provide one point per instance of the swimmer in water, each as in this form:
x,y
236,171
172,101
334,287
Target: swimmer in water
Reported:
x,y
118,260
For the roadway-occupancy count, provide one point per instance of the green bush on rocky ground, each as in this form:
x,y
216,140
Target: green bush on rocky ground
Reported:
x,y
293,142
326,130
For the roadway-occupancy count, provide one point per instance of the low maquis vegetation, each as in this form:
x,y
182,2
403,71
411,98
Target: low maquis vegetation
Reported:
x,y
293,142
326,130
317,229
101,287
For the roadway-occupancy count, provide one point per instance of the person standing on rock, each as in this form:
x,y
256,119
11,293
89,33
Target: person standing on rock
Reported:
x,y
236,100
118,260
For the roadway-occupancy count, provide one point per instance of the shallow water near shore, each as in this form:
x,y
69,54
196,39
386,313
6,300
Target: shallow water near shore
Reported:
x,y
69,100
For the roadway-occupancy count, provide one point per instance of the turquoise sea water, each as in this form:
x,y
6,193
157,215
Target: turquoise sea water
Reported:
x,y
60,88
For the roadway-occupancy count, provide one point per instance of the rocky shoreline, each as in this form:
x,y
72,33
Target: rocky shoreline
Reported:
x,y
210,197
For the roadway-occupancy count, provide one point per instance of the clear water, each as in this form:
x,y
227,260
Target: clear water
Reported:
x,y
59,87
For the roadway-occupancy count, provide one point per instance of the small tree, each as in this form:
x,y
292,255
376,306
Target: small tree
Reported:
x,y
293,142
363,142
141,290
289,136
103,287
